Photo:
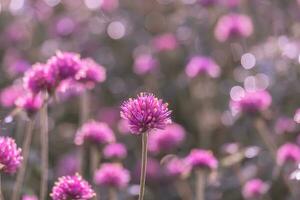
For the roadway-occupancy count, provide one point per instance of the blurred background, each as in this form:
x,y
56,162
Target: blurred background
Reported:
x,y
156,46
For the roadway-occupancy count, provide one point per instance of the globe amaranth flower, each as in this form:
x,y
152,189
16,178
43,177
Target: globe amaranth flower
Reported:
x,y
64,65
233,26
72,187
39,78
297,116
115,151
112,175
90,73
10,155
94,132
165,42
288,153
10,94
145,113
29,197
167,139
254,189
177,167
251,101
199,65
30,103
284,125
144,64
202,159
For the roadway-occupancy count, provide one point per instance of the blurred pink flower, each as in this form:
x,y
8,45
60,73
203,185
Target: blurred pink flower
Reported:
x,y
123,127
165,42
177,168
69,88
233,26
297,116
115,151
288,153
109,5
208,3
10,94
30,103
65,26
154,171
29,197
144,64
254,189
284,125
68,164
199,65
199,158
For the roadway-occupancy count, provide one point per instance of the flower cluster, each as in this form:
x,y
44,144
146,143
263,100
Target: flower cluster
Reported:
x,y
115,151
288,153
204,159
199,65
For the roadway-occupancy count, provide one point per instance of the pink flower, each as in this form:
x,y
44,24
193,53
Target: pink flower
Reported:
x,y
123,127
284,125
166,140
144,64
109,5
30,103
72,187
297,116
199,65
10,94
94,132
112,175
165,42
69,88
29,197
115,151
145,113
254,189
10,155
208,3
199,158
233,26
154,171
177,168
288,153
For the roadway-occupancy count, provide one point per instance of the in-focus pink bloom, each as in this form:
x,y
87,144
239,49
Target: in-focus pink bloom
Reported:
x,y
251,102
204,159
64,65
90,73
167,139
254,189
233,26
30,103
29,197
98,133
145,113
69,88
177,168
284,125
114,151
39,78
165,42
72,187
297,116
10,155
208,3
144,64
10,94
199,65
288,153
112,175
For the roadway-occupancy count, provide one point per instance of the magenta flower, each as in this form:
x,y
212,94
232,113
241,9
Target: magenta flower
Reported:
x,y
144,64
284,125
177,168
233,26
165,42
288,153
297,116
123,127
64,65
115,151
199,158
90,73
145,113
39,78
254,189
251,102
10,94
94,132
29,197
166,140
10,155
72,187
30,103
199,65
112,175
69,88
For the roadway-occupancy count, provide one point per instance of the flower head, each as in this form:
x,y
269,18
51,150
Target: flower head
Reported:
x,y
199,158
166,140
90,73
30,103
254,189
115,151
39,78
10,94
288,153
10,155
297,116
112,175
177,168
145,113
144,64
69,88
233,26
64,65
202,65
72,187
29,197
94,132
165,42
284,125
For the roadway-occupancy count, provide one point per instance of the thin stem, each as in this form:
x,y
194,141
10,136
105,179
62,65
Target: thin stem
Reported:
x,y
112,194
183,189
144,165
44,151
1,195
95,159
26,150
200,184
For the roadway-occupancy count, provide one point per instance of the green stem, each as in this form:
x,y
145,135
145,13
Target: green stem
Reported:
x,y
26,150
44,151
144,165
